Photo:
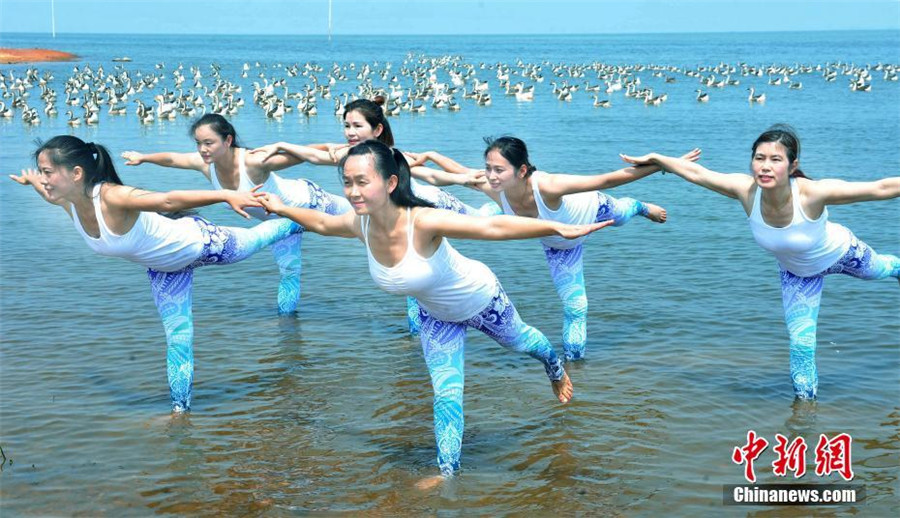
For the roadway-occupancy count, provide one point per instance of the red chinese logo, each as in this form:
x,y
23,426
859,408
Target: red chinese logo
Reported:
x,y
790,457
834,455
748,453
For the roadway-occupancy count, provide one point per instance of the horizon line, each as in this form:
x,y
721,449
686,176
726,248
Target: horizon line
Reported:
x,y
325,34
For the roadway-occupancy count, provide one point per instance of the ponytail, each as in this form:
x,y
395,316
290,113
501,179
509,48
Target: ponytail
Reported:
x,y
403,194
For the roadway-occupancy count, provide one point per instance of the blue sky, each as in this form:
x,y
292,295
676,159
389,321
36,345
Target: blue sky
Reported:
x,y
445,16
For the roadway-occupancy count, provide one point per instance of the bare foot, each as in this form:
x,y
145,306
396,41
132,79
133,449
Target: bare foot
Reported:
x,y
168,419
655,213
430,482
563,389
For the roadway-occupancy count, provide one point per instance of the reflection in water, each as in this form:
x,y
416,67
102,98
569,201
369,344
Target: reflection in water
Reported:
x,y
803,419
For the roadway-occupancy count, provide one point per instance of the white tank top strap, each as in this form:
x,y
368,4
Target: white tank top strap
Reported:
x,y
755,212
504,204
538,199
242,170
214,177
410,229
364,226
799,214
95,199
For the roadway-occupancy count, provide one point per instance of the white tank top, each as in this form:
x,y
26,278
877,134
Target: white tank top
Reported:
x,y
155,241
294,193
450,286
805,247
575,209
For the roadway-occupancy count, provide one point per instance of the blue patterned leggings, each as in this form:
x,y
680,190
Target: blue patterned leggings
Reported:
x,y
801,297
173,291
442,200
443,345
287,251
567,271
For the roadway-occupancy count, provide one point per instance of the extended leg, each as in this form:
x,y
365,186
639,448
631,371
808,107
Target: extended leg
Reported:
x,y
621,210
863,262
567,271
502,322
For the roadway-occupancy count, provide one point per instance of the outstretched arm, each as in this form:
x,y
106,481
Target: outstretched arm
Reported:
x,y
440,178
32,177
558,185
176,160
284,154
445,163
839,192
312,220
499,228
733,185
129,198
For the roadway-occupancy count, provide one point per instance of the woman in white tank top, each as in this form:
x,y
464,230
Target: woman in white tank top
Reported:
x,y
121,221
520,189
788,217
408,252
227,165
365,120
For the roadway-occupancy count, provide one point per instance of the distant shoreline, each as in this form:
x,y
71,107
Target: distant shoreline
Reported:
x,y
10,56
358,35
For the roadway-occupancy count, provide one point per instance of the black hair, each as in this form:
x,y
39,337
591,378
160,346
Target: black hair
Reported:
x,y
70,152
219,125
374,115
513,150
388,162
785,135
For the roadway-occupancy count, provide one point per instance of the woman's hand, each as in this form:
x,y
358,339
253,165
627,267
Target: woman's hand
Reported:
x,y
240,199
475,178
576,231
133,158
271,202
648,159
33,178
337,151
692,155
27,177
416,159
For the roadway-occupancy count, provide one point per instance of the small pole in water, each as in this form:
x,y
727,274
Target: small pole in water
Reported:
x,y
53,17
329,20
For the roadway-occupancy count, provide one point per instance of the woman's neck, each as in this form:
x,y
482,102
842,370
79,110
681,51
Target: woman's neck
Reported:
x,y
386,219
777,197
82,201
520,191
228,161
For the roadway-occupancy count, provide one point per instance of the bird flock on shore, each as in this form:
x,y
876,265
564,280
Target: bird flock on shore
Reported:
x,y
417,85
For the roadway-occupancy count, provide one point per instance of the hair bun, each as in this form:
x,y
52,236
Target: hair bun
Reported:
x,y
379,100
